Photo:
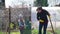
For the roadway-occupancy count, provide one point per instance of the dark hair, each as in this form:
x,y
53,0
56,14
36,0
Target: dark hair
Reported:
x,y
39,8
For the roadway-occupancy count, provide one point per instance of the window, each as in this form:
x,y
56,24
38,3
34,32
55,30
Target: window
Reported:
x,y
2,2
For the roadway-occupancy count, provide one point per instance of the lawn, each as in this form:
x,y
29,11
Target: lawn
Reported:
x,y
33,32
11,33
0,32
18,32
36,31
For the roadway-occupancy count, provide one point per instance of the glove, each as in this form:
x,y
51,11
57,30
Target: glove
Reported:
x,y
49,17
41,20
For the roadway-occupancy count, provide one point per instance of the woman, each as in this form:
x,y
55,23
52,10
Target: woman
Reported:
x,y
21,23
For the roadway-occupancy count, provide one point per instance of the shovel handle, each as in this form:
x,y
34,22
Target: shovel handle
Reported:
x,y
52,27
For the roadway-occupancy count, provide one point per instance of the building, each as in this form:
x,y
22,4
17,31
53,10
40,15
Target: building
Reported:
x,y
53,2
2,3
19,3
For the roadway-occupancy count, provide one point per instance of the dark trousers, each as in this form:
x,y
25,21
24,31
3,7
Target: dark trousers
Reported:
x,y
21,31
44,26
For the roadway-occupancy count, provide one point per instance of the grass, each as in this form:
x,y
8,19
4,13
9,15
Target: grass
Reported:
x,y
10,33
36,31
18,32
15,33
58,31
33,32
0,32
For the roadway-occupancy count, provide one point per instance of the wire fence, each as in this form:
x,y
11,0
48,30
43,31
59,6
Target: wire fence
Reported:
x,y
14,15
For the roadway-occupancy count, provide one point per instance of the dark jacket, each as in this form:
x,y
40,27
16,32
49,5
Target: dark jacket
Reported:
x,y
43,15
